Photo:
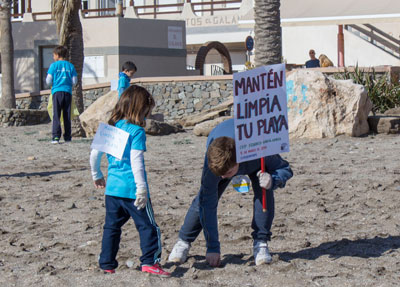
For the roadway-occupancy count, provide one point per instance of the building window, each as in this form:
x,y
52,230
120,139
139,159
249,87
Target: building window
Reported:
x,y
105,4
85,4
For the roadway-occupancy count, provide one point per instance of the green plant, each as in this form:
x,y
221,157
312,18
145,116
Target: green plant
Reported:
x,y
383,93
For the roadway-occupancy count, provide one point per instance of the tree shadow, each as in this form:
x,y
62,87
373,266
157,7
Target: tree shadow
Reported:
x,y
41,174
363,248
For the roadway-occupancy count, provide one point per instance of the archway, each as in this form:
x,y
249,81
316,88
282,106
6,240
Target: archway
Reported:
x,y
222,50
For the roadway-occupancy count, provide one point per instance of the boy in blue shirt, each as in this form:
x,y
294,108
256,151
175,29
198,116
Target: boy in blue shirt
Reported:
x,y
61,76
128,70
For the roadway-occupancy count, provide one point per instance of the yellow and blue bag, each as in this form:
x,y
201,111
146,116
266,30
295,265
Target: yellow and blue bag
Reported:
x,y
74,109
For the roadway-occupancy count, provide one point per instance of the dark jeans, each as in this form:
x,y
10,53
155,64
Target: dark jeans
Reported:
x,y
62,102
261,223
118,211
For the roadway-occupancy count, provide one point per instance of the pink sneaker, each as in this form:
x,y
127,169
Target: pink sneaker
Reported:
x,y
155,270
109,271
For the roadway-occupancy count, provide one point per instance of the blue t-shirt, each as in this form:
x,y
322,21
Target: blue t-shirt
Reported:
x,y
120,180
62,73
312,63
123,83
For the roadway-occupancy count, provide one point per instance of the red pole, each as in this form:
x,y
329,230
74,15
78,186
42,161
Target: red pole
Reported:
x,y
264,192
340,46
29,6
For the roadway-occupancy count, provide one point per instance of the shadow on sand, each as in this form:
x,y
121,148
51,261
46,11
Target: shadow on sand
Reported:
x,y
364,248
41,174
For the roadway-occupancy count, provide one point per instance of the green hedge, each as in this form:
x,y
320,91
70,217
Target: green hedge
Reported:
x,y
383,93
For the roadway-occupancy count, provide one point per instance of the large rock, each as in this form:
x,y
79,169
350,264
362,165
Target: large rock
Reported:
x,y
384,124
319,106
395,112
220,110
157,128
99,111
204,128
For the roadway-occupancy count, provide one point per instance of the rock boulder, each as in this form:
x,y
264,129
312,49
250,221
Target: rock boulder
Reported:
x,y
99,111
320,106
384,124
204,128
157,128
223,109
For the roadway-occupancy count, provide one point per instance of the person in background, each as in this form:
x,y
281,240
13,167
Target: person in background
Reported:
x,y
128,70
127,193
325,62
219,167
61,76
313,62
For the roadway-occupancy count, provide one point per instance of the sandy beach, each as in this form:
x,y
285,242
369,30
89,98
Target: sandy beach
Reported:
x,y
337,221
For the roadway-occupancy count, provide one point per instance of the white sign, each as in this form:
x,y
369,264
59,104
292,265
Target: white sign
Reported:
x,y
220,20
114,85
110,140
175,37
260,112
93,67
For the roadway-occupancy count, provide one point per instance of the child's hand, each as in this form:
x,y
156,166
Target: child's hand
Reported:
x,y
265,179
99,183
141,198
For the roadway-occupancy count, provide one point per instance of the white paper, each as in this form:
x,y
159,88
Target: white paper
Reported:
x,y
260,112
111,140
93,67
114,85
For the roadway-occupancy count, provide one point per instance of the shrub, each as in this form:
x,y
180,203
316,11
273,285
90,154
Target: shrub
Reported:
x,y
383,94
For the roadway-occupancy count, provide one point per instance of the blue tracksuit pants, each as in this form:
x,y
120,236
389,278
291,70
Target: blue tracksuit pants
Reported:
x,y
118,211
261,223
62,102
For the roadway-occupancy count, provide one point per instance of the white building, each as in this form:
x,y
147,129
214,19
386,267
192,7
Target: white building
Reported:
x,y
371,35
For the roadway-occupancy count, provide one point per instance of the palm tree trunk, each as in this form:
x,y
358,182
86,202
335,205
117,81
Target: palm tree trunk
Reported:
x,y
267,30
74,43
7,99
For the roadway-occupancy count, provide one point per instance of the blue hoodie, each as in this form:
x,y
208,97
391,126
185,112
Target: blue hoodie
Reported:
x,y
278,168
123,83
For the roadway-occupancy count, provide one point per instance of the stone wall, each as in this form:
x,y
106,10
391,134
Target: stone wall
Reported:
x,y
19,117
174,99
39,101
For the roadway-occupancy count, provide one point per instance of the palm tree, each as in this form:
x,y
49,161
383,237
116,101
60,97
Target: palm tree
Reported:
x,y
267,30
69,29
7,99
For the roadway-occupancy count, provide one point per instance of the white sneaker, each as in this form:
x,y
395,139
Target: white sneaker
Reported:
x,y
180,251
261,253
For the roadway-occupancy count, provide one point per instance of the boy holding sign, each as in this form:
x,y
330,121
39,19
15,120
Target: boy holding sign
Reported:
x,y
220,165
127,192
234,147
